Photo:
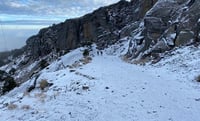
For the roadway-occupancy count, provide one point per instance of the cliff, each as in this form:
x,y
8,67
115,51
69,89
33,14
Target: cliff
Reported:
x,y
104,27
169,24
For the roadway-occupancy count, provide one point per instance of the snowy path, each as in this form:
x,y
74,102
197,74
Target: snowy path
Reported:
x,y
136,94
119,92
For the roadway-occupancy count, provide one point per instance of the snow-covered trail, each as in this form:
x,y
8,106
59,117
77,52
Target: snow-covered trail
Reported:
x,y
134,93
118,92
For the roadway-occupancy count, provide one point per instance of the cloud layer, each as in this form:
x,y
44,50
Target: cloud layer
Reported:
x,y
48,9
23,18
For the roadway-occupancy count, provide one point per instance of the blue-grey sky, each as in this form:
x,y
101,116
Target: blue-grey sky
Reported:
x,y
22,18
47,10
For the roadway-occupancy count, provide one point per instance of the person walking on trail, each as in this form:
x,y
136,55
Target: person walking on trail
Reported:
x,y
101,53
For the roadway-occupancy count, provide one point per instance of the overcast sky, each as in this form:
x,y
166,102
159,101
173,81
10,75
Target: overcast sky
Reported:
x,y
51,10
23,18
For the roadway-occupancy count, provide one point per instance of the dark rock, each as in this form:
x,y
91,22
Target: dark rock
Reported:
x,y
32,87
102,27
167,25
184,38
85,87
154,25
12,71
7,83
72,70
43,64
106,87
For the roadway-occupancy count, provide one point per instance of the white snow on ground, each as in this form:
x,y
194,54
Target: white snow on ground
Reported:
x,y
108,89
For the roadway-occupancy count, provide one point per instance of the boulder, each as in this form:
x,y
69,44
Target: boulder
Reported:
x,y
184,37
154,27
160,47
169,23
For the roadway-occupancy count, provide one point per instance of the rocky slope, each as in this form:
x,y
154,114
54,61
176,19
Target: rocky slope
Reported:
x,y
169,24
156,26
104,27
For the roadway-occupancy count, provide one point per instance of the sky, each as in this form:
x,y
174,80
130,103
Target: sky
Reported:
x,y
20,19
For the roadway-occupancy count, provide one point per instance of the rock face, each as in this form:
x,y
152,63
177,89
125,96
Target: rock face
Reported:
x,y
169,23
184,37
104,26
156,26
7,82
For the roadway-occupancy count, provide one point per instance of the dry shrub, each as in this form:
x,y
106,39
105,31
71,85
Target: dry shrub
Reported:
x,y
141,61
89,58
86,60
125,58
12,106
79,63
41,96
76,64
86,76
44,84
25,107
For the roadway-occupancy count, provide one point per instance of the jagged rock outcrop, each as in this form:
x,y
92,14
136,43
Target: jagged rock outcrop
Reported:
x,y
169,23
7,82
104,26
155,25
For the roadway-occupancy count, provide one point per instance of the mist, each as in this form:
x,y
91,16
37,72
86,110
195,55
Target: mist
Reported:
x,y
15,36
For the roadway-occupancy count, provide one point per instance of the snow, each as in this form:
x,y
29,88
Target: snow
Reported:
x,y
116,90
170,39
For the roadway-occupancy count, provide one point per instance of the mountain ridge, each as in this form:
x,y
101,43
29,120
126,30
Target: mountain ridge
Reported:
x,y
97,27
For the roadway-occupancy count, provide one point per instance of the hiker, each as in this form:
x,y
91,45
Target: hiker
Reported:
x,y
101,52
